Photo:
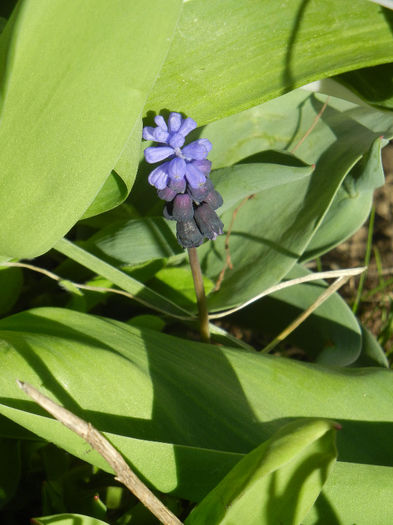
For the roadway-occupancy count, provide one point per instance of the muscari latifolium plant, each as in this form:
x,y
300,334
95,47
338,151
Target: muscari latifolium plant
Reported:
x,y
183,182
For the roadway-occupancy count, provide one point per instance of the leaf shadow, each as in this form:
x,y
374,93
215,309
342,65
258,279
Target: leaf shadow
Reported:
x,y
374,83
286,502
287,77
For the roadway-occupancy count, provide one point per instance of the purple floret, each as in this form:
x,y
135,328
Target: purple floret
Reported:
x,y
188,162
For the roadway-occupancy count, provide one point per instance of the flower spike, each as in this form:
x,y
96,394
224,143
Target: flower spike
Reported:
x,y
183,179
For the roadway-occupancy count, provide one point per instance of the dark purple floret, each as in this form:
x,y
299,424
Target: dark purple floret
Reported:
x,y
183,209
177,185
183,179
208,221
213,199
199,193
188,234
167,194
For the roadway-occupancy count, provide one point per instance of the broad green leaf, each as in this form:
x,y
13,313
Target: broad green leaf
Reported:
x,y
282,124
115,188
11,280
352,203
143,294
195,408
68,519
354,494
75,78
9,468
277,225
9,429
136,241
273,228
330,336
238,61
277,482
228,55
371,353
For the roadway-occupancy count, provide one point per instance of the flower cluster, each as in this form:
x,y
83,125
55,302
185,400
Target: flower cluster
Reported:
x,y
183,180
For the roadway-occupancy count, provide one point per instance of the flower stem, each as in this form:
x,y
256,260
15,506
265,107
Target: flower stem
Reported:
x,y
200,295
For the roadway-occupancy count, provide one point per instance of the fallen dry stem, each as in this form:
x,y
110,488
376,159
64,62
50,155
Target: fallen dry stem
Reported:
x,y
228,261
304,315
98,442
99,289
350,272
310,129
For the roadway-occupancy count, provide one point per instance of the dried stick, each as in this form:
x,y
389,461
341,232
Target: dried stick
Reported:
x,y
228,261
350,272
100,289
200,295
304,315
310,129
99,443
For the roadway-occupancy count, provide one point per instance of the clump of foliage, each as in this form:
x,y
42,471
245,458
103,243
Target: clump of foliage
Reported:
x,y
97,305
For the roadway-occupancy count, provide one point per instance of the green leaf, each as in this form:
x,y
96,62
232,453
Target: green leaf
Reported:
x,y
177,284
116,188
67,519
354,493
143,294
229,43
73,88
277,482
278,224
371,353
228,56
330,336
274,226
136,241
195,408
352,204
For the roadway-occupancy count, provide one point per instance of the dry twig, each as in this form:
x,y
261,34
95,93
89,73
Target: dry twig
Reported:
x,y
228,262
310,129
99,443
100,289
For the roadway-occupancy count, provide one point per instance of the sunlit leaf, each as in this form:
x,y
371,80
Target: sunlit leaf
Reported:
x,y
354,493
73,88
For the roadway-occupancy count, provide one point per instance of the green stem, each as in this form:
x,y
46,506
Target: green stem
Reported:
x,y
200,295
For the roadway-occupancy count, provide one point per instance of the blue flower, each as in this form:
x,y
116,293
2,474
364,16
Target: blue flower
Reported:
x,y
186,164
183,180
